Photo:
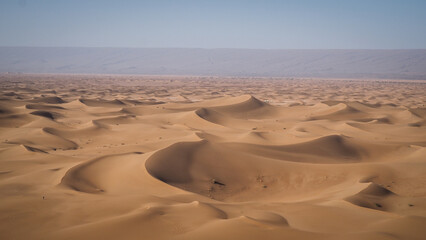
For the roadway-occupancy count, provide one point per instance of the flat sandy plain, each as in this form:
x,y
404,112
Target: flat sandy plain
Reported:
x,y
163,157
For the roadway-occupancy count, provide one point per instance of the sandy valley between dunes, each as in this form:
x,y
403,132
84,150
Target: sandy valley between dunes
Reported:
x,y
164,157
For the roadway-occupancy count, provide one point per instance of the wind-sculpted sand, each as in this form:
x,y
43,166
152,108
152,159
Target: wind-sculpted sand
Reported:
x,y
130,157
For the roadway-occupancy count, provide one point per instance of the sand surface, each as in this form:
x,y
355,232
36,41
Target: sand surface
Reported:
x,y
131,157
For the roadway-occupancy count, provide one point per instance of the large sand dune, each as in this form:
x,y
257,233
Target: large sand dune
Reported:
x,y
129,157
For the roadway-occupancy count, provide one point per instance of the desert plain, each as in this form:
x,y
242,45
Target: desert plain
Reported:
x,y
187,157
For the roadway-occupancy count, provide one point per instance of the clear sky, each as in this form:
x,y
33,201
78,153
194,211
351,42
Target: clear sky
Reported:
x,y
265,24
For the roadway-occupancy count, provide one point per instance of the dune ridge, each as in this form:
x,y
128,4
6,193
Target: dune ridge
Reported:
x,y
194,158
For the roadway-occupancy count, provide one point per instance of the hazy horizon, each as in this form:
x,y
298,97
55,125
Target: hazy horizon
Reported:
x,y
403,64
307,24
218,48
304,38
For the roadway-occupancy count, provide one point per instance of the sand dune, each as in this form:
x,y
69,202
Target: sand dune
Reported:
x,y
194,158
102,103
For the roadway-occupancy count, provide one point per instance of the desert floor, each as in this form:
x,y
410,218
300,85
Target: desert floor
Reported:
x,y
163,157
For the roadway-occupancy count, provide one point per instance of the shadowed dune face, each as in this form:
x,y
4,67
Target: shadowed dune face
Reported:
x,y
165,158
232,173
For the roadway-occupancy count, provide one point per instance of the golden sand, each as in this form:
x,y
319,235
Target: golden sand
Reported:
x,y
163,157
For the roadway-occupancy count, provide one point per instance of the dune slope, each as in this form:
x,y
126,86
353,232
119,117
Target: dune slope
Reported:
x,y
214,160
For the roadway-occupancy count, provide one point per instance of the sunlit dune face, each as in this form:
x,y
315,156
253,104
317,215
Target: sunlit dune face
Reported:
x,y
215,158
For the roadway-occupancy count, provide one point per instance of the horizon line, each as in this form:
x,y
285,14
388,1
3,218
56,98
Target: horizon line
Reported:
x,y
218,48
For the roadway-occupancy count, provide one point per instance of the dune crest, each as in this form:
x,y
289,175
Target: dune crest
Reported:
x,y
155,157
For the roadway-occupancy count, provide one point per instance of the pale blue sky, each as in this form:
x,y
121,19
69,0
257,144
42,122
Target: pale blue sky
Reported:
x,y
267,24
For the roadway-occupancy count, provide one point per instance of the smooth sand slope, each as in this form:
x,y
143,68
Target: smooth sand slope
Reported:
x,y
128,157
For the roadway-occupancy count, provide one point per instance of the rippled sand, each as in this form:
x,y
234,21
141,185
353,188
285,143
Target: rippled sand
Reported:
x,y
163,157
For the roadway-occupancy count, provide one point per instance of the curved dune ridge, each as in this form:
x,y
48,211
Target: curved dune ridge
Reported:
x,y
168,165
96,175
102,103
47,114
50,100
